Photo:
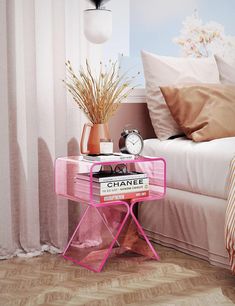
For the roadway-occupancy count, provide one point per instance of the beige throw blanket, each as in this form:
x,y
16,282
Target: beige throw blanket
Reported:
x,y
230,218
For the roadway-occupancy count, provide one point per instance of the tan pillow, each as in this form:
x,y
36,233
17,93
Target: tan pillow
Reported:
x,y
165,71
203,112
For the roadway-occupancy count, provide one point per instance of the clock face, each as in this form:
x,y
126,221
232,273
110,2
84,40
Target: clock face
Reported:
x,y
134,144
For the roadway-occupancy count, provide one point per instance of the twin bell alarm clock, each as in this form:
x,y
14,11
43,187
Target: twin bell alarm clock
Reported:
x,y
131,142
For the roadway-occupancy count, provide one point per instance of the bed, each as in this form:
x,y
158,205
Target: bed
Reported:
x,y
196,98
191,218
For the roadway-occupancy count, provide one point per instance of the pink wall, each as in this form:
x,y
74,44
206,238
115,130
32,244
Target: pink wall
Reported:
x,y
135,114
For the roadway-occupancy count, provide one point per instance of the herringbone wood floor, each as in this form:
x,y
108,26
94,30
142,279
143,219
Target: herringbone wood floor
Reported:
x,y
178,279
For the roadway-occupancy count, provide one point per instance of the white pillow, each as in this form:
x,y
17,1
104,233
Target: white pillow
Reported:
x,y
164,71
226,71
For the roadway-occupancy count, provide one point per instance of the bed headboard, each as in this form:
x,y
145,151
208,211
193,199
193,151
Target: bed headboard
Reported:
x,y
135,114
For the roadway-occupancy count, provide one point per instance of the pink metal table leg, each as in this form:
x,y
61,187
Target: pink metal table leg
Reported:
x,y
141,231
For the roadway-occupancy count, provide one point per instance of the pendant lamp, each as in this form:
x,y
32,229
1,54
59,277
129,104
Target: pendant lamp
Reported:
x,y
98,23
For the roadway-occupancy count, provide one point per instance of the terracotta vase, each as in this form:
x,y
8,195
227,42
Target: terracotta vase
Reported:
x,y
97,133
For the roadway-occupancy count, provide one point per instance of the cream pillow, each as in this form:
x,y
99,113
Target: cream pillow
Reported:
x,y
165,71
226,71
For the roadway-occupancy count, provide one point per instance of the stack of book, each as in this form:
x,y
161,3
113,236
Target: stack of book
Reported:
x,y
110,187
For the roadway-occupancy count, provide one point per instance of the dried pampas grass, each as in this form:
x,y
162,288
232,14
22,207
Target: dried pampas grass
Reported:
x,y
98,96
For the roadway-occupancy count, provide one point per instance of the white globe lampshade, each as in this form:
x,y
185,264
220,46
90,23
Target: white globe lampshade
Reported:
x,y
97,25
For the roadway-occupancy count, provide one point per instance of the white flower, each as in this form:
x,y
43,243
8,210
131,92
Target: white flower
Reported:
x,y
197,39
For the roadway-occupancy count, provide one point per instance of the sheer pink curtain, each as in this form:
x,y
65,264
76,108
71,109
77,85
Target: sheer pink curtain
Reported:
x,y
37,120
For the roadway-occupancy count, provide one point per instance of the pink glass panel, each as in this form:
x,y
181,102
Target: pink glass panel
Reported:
x,y
96,235
68,172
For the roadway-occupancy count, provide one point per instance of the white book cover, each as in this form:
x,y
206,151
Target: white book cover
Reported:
x,y
111,157
114,188
124,186
144,187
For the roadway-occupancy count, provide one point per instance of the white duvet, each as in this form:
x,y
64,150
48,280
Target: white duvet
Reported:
x,y
197,167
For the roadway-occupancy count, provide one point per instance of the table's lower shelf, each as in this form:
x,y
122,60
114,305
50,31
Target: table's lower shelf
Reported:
x,y
105,229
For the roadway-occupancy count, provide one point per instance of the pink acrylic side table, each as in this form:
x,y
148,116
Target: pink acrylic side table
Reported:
x,y
110,227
